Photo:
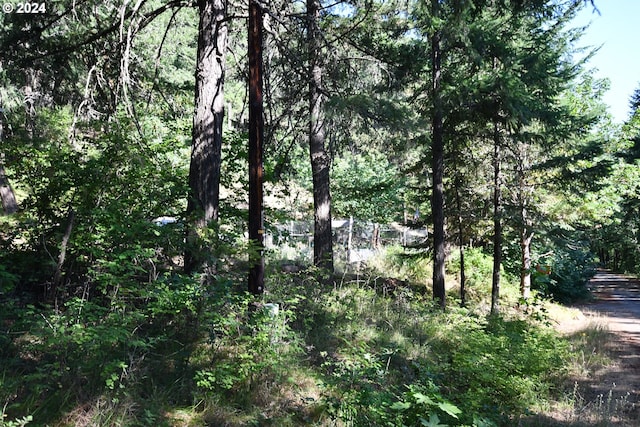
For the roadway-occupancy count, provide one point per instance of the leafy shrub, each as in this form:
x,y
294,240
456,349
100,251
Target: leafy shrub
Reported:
x,y
248,342
8,280
570,269
423,405
366,186
382,358
408,264
500,367
21,422
478,271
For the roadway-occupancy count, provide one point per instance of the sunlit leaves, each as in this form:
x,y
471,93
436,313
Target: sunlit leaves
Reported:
x,y
367,187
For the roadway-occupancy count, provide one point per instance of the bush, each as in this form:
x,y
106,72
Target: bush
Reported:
x,y
478,273
499,367
569,270
414,265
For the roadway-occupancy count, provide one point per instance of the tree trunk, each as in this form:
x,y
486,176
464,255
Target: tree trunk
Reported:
x,y
497,222
525,272
463,277
256,142
204,169
8,198
320,159
375,238
437,164
57,277
30,101
350,240
9,203
526,235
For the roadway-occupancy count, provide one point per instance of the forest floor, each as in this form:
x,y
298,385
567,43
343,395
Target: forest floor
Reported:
x,y
610,394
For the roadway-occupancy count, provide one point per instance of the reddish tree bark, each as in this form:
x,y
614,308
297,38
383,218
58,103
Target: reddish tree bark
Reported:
x,y
256,143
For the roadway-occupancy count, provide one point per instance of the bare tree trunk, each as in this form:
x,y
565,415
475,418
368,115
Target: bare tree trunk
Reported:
x,y
204,169
256,142
526,235
8,198
525,272
30,101
9,203
57,277
463,277
350,240
320,159
375,238
497,223
437,164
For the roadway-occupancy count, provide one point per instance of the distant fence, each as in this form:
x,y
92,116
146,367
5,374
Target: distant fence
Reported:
x,y
354,240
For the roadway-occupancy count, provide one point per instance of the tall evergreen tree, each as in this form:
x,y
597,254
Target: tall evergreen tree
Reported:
x,y
634,101
256,146
320,158
206,148
437,160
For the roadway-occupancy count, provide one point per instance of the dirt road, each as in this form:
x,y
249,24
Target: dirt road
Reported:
x,y
617,306
617,298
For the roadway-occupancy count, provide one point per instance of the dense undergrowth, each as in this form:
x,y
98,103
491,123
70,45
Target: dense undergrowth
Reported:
x,y
357,349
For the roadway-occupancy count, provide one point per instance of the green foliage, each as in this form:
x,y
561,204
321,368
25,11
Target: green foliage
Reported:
x,y
420,402
501,367
8,280
408,264
563,275
135,344
366,186
375,360
478,271
397,361
19,422
478,276
112,237
616,205
248,343
233,175
84,346
116,328
479,267
357,379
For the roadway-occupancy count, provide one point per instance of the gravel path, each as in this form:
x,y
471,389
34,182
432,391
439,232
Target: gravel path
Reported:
x,y
618,298
617,305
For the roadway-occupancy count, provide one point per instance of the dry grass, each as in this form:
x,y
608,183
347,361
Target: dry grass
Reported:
x,y
595,394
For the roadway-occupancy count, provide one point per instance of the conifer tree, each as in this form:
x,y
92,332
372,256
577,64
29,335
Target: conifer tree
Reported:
x,y
206,149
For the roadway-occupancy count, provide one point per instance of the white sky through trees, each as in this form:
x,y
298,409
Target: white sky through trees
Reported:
x,y
617,29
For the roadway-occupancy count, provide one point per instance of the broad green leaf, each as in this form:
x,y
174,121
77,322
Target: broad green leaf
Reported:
x,y
434,421
401,406
450,409
423,399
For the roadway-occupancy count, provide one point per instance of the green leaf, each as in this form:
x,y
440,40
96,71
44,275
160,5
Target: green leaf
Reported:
x,y
423,399
434,421
401,406
450,409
